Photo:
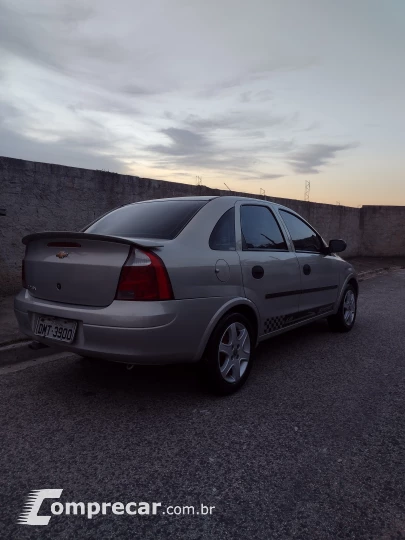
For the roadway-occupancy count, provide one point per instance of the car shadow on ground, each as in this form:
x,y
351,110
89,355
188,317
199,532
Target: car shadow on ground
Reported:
x,y
93,376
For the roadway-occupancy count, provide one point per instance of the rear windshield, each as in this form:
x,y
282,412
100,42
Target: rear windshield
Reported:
x,y
157,219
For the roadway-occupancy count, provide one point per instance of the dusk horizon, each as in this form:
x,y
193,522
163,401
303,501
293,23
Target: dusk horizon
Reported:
x,y
261,97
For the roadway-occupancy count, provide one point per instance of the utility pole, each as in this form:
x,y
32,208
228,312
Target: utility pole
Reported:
x,y
307,190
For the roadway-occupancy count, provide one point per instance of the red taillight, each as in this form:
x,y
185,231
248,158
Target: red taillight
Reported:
x,y
24,283
144,277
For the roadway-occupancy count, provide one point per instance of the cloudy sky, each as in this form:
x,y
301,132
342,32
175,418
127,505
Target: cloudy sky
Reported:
x,y
260,94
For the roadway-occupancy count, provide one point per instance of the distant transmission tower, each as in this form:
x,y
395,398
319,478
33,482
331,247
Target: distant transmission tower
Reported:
x,y
263,193
198,180
307,190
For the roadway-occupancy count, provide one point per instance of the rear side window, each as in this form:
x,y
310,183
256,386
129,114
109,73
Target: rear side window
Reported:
x,y
304,238
223,235
260,229
156,219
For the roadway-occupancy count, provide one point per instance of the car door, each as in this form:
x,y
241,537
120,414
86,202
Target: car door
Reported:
x,y
319,269
270,270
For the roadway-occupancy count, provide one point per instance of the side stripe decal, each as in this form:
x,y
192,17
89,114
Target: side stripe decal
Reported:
x,y
277,323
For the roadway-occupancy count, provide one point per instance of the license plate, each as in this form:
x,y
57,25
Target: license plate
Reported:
x,y
55,328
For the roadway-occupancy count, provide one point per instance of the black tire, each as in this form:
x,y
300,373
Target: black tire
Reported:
x,y
341,322
219,368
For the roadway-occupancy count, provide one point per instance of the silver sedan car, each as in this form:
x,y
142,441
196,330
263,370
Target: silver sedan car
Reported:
x,y
189,279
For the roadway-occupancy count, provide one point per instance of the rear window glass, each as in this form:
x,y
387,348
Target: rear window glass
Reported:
x,y
157,219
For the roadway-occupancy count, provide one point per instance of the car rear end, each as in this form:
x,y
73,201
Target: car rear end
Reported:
x,y
107,292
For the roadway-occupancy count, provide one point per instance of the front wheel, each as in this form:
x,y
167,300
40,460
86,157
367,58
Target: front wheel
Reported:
x,y
229,354
344,319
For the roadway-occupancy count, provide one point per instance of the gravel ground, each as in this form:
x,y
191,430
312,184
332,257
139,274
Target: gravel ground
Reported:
x,y
311,448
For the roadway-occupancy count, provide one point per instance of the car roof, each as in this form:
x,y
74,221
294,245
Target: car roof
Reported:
x,y
209,198
196,198
230,198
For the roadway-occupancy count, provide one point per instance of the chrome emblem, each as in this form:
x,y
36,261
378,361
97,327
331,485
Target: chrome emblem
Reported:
x,y
62,254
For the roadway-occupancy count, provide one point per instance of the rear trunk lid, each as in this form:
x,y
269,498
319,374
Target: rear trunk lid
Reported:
x,y
77,268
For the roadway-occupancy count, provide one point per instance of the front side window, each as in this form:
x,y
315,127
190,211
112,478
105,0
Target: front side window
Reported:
x,y
223,235
260,229
304,238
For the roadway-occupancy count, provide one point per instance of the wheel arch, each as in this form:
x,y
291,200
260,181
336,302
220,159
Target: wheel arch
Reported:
x,y
352,279
250,314
238,305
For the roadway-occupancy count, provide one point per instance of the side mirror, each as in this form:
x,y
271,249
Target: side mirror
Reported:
x,y
336,246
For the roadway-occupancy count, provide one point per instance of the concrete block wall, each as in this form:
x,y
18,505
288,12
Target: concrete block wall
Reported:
x,y
42,196
383,230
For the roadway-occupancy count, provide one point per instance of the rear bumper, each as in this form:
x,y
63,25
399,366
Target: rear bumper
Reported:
x,y
133,332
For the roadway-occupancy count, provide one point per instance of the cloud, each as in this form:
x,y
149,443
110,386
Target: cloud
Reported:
x,y
184,143
191,149
88,144
260,74
238,120
33,35
77,152
67,38
312,157
105,104
256,96
269,176
222,85
9,112
136,90
99,84
311,127
200,151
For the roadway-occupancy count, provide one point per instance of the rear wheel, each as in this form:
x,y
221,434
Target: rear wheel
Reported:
x,y
344,319
229,354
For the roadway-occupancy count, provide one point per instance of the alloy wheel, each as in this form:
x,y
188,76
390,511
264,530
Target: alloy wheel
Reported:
x,y
349,307
234,352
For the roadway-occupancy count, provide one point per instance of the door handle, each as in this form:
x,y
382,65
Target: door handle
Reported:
x,y
306,269
258,272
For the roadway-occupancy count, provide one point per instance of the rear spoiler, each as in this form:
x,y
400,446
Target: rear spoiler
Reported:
x,y
66,235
